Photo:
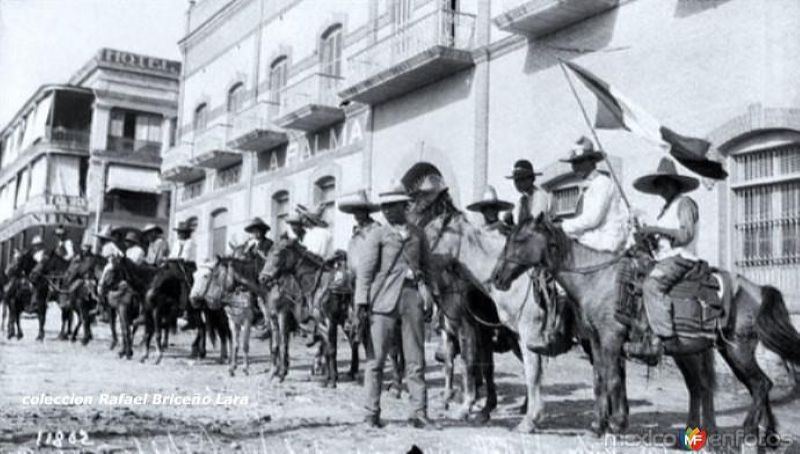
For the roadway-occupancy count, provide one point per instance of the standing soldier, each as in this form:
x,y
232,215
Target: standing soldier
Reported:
x,y
490,207
64,246
157,248
533,200
394,280
601,222
359,205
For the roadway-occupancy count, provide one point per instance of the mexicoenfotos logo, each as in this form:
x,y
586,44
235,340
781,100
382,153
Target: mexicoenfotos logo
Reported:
x,y
693,439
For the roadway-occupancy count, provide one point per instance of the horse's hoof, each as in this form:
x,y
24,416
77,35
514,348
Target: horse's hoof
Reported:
x,y
10,335
113,346
462,414
598,428
351,376
85,340
616,428
526,426
39,338
142,360
246,371
333,385
324,384
230,372
483,417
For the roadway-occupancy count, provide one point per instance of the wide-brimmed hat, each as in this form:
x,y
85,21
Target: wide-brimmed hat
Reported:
x,y
183,226
582,151
60,230
37,241
152,228
522,169
312,218
666,169
105,233
356,201
257,224
490,199
432,184
397,194
132,237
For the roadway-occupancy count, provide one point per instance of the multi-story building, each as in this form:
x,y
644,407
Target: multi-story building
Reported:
x,y
88,152
298,101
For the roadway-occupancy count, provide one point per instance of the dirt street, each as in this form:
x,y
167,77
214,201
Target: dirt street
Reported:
x,y
254,414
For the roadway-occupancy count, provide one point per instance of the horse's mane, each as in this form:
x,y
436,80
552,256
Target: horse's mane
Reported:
x,y
441,205
140,276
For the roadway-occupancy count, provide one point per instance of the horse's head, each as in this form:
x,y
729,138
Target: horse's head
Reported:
x,y
282,259
210,284
536,242
113,273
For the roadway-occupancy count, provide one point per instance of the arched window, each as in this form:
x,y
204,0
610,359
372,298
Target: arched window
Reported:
x,y
280,211
236,97
325,197
200,117
331,51
278,75
219,232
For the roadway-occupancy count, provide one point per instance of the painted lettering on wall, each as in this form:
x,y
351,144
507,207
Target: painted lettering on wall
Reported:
x,y
140,61
302,147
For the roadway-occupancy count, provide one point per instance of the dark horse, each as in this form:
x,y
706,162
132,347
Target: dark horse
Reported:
x,y
49,272
78,292
19,293
591,278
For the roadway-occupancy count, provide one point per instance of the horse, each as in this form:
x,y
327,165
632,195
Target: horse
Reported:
x,y
591,278
229,284
210,316
162,302
124,284
468,254
50,272
78,292
21,295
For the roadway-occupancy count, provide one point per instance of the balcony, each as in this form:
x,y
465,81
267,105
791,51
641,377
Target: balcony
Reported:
x,y
68,138
423,51
311,103
252,129
176,166
132,150
211,148
536,18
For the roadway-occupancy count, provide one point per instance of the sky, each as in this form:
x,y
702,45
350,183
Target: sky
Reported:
x,y
46,41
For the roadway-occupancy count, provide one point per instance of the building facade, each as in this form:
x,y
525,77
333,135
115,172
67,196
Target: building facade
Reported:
x,y
299,101
88,153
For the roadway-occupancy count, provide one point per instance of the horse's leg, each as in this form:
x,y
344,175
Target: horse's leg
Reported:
x,y
42,312
10,328
246,344
470,369
87,322
235,356
162,332
739,353
17,321
449,362
600,422
283,355
688,365
333,350
486,368
616,393
62,332
149,330
221,319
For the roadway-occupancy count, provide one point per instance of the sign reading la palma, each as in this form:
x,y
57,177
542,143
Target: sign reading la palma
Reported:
x,y
140,61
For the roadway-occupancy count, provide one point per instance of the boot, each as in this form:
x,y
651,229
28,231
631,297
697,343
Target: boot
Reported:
x,y
648,350
373,421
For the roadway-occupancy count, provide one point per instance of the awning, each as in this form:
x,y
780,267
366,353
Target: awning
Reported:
x,y
133,179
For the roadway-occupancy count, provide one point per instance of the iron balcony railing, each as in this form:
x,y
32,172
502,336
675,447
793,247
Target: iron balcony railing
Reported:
x,y
317,89
69,137
126,144
439,28
257,117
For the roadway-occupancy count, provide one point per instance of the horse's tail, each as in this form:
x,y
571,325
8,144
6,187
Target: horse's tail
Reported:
x,y
774,327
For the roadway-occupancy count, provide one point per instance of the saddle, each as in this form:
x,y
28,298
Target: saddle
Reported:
x,y
699,297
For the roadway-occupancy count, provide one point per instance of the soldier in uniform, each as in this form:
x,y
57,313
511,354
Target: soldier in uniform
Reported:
x,y
490,207
533,200
359,206
393,278
157,247
64,246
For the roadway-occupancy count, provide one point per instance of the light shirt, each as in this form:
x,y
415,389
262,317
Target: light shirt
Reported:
x,y
532,205
38,256
109,250
356,243
602,222
135,254
319,241
157,251
65,249
681,215
185,250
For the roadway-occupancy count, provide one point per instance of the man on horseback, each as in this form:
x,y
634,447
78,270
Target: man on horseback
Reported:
x,y
134,251
37,248
256,249
533,200
393,279
317,238
675,232
183,254
490,207
64,247
601,222
157,247
108,243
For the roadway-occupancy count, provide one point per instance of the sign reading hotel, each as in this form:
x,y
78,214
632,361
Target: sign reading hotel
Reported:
x,y
138,61
303,147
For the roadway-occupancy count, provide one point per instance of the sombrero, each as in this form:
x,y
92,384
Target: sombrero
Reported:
x,y
60,230
432,184
183,226
152,228
397,194
582,151
105,233
132,237
522,169
490,200
356,201
666,169
257,224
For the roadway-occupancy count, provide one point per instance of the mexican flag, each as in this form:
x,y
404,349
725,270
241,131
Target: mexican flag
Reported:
x,y
615,111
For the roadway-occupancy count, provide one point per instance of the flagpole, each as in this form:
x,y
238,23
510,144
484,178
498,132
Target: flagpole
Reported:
x,y
594,134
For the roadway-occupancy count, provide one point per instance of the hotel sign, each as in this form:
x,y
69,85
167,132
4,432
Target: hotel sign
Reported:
x,y
131,60
303,147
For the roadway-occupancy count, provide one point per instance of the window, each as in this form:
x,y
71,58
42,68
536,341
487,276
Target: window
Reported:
x,y
278,74
565,200
236,97
766,191
228,176
200,117
331,51
130,203
132,131
280,211
325,197
173,131
193,189
219,232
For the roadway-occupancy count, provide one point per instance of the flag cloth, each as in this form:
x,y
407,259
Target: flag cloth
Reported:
x,y
615,111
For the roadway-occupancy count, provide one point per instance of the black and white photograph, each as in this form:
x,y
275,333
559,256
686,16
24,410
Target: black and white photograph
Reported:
x,y
400,226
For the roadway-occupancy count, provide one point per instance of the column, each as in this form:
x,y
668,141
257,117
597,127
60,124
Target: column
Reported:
x,y
480,159
101,117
